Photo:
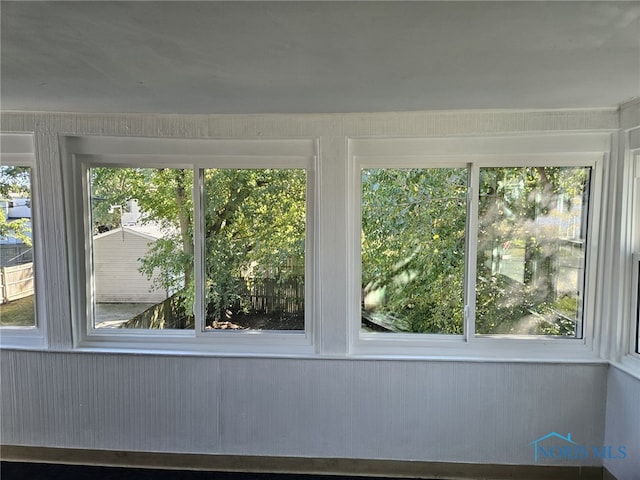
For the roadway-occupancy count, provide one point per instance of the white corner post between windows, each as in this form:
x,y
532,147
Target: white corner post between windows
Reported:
x,y
476,247
192,245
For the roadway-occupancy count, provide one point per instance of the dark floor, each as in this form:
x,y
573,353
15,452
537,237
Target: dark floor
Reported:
x,y
45,471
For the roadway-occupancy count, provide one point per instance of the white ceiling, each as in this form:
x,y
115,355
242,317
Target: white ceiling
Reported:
x,y
290,57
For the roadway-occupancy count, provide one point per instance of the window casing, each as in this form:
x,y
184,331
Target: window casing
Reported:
x,y
197,161
635,234
635,305
478,156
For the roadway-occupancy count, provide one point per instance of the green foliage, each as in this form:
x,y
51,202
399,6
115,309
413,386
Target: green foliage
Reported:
x,y
19,229
413,240
15,182
255,228
254,224
521,208
413,243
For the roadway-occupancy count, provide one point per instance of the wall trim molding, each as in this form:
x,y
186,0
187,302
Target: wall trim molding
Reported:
x,y
421,123
299,465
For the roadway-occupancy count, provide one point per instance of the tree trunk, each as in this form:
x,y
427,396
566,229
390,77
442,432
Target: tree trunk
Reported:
x,y
185,222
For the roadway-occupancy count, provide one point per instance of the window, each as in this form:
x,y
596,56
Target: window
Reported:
x,y
530,253
413,249
635,311
458,244
254,244
532,231
206,242
21,308
635,227
17,282
141,248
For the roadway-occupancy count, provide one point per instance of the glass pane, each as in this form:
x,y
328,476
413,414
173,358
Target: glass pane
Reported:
x,y
531,250
255,249
17,283
413,244
142,248
636,244
637,312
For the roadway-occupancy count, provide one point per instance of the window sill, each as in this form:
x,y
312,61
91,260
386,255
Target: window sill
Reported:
x,y
299,346
629,364
30,338
483,349
207,344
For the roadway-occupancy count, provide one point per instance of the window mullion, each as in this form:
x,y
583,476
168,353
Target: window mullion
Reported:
x,y
471,252
199,253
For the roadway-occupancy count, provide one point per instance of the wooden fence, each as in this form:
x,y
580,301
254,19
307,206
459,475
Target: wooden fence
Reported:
x,y
16,282
15,254
270,295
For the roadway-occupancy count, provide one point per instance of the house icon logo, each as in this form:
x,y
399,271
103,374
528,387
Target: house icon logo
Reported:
x,y
554,446
548,436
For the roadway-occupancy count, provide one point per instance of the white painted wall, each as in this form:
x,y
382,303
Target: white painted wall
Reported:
x,y
331,405
409,410
623,422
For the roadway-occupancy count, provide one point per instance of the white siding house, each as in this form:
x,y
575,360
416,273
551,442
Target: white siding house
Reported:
x,y
116,255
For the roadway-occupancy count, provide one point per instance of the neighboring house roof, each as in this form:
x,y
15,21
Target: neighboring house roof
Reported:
x,y
150,232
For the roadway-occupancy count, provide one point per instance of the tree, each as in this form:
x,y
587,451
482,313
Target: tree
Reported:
x,y
15,182
413,243
526,210
254,226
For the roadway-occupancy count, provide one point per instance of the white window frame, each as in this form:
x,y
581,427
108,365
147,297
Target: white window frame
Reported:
x,y
634,225
80,153
634,347
18,149
625,353
506,151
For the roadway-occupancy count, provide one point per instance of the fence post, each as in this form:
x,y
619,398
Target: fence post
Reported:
x,y
3,284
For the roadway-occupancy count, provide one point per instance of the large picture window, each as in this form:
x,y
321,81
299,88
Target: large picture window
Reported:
x,y
470,246
208,240
531,229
